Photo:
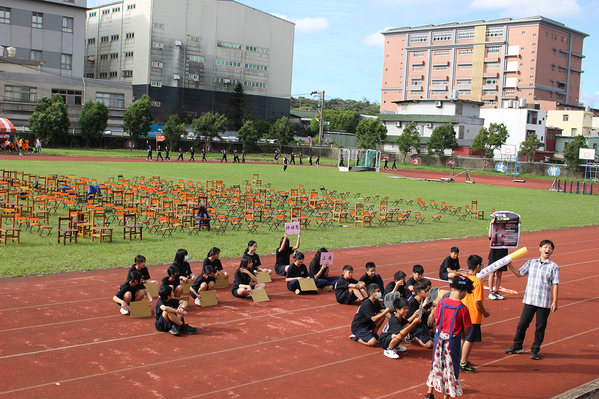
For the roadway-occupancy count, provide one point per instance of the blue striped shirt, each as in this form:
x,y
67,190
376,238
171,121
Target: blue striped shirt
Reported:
x,y
541,277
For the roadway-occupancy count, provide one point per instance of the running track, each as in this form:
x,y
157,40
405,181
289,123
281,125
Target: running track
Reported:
x,y
62,336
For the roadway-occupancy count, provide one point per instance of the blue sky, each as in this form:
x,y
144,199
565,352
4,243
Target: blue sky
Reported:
x,y
338,48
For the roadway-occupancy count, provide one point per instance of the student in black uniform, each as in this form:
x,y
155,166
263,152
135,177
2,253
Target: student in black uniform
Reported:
x,y
341,160
397,285
224,158
182,263
212,259
417,275
140,265
372,277
310,159
204,155
242,284
235,156
397,328
276,156
285,163
318,160
166,153
256,264
174,280
131,290
348,289
495,278
292,158
169,313
319,270
283,253
192,152
242,156
394,166
301,159
159,154
149,157
297,270
450,267
204,282
420,332
180,158
369,317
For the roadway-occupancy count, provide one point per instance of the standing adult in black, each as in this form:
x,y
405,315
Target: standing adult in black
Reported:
x,y
242,156
301,158
224,158
292,157
159,154
318,160
284,163
192,152
235,156
149,157
180,158
166,152
310,159
204,154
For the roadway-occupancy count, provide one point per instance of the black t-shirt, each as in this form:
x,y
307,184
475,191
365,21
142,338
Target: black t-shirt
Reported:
x,y
282,257
184,270
391,286
216,265
127,288
342,285
240,278
175,283
196,284
145,274
255,261
297,271
363,317
315,268
411,282
453,264
393,326
173,303
413,306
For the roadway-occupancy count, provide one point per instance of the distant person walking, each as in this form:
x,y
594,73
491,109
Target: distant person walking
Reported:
x,y
166,152
180,157
149,157
204,154
192,152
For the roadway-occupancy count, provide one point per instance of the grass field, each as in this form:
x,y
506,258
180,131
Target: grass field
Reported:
x,y
539,210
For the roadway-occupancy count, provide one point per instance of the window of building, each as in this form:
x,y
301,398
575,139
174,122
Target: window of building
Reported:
x,y
36,55
228,45
91,40
465,34
464,81
103,56
195,58
562,38
225,80
194,76
442,37
114,56
129,35
493,49
440,67
158,45
67,25
195,39
509,92
157,64
559,96
489,102
521,64
114,74
129,54
534,35
417,82
89,75
565,117
254,84
127,73
563,55
438,92
418,54
106,11
91,14
464,67
66,61
490,81
111,100
155,103
70,97
441,52
130,6
103,74
415,92
37,20
464,92
257,67
492,65
103,39
523,32
439,82
418,67
490,92
228,63
158,25
465,51
116,9
257,49
114,37
418,38
154,83
494,33
20,93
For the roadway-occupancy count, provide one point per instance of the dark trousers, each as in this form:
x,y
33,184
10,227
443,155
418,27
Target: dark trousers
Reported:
x,y
528,313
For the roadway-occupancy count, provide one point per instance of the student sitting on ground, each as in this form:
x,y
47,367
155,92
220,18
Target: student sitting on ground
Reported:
x,y
140,266
169,313
242,284
202,283
256,264
450,267
420,331
397,285
348,289
320,270
173,280
417,275
297,271
131,290
397,328
371,277
369,317
181,262
213,260
283,253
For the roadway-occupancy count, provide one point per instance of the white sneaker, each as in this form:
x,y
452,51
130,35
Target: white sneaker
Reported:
x,y
400,348
198,302
498,295
124,311
492,295
390,353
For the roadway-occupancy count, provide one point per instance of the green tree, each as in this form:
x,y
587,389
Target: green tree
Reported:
x,y
489,140
409,140
173,129
183,114
238,108
50,119
370,133
442,138
281,130
529,146
210,125
571,152
138,118
249,136
93,121
263,127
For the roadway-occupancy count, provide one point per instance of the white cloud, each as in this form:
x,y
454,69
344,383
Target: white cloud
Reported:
x,y
307,25
374,40
590,99
524,8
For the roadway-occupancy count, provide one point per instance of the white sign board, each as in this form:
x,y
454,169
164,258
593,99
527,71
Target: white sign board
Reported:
x,y
586,153
508,149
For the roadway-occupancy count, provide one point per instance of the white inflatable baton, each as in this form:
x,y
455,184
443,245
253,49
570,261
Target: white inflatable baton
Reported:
x,y
502,262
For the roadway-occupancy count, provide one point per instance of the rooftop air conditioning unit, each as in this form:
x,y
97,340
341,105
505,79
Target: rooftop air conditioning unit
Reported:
x,y
178,43
176,76
227,81
438,104
91,58
398,124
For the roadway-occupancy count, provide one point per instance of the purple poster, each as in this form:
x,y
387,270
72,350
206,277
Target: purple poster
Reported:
x,y
505,232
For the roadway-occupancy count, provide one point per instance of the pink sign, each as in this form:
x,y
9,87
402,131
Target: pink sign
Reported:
x,y
326,257
292,227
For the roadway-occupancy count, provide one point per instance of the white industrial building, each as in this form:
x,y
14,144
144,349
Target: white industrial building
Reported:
x,y
192,53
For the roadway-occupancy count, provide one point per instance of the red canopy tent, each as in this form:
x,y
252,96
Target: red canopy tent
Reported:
x,y
6,126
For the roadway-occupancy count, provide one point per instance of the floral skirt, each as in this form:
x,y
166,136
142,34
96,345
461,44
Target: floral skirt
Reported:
x,y
442,376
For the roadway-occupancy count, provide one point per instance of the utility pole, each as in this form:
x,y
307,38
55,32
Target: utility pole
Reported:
x,y
321,113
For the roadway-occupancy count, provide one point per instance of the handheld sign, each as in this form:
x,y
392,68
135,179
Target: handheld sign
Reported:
x,y
326,257
501,262
221,281
139,309
259,295
505,230
292,227
208,298
263,277
440,295
152,288
432,294
307,284
186,286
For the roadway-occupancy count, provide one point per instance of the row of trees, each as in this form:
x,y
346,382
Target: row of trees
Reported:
x,y
363,106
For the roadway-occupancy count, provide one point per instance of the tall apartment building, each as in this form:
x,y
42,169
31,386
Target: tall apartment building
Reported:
x,y
192,53
497,62
50,31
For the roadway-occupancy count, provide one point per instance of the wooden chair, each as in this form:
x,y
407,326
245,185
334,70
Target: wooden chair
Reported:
x,y
8,229
361,217
84,224
67,229
130,226
339,214
99,228
419,218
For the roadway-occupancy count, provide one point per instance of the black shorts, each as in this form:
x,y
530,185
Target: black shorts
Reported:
x,y
280,269
495,255
235,294
422,334
163,325
385,340
475,334
345,298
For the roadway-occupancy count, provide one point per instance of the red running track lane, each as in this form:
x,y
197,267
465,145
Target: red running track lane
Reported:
x,y
62,336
